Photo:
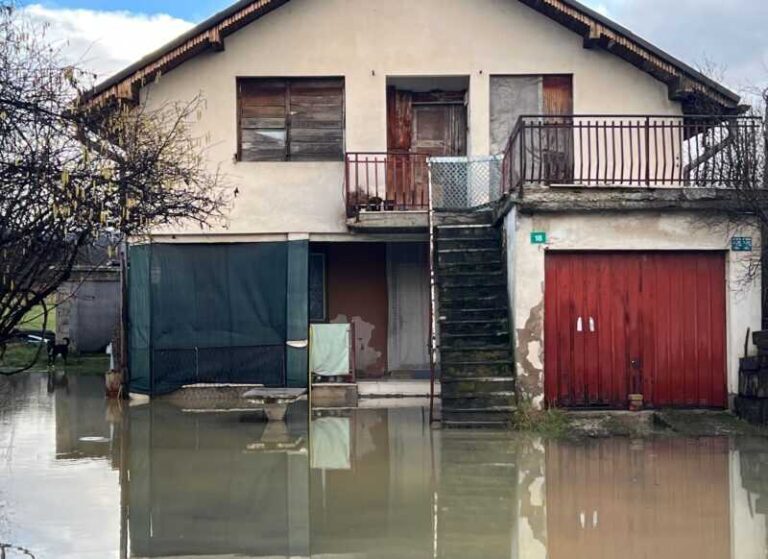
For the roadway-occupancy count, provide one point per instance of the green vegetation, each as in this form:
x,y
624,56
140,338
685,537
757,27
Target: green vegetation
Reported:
x,y
34,319
550,423
18,355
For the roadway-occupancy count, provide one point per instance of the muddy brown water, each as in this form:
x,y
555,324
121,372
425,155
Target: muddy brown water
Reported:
x,y
80,478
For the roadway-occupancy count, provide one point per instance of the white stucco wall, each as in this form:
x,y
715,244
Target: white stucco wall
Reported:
x,y
623,231
365,41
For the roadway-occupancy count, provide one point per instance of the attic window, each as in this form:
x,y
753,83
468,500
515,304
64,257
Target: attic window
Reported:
x,y
290,119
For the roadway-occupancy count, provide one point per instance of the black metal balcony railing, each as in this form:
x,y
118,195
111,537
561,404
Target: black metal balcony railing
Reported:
x,y
621,150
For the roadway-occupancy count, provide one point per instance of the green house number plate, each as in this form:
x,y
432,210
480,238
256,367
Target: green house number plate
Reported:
x,y
538,238
741,244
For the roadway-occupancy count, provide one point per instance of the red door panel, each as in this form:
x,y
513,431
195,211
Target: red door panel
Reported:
x,y
618,323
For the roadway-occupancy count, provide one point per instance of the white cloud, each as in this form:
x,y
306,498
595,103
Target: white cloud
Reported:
x,y
729,33
104,42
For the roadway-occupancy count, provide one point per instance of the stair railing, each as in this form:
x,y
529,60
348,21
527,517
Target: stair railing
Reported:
x,y
432,295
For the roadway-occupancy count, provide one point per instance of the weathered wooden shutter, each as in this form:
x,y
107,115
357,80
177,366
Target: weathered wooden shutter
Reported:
x,y
316,120
263,120
557,147
291,119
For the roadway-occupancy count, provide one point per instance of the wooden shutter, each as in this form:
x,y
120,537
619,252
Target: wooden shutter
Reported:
x,y
263,120
291,119
316,120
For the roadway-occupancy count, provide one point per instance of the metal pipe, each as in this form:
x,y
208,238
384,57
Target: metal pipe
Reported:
x,y
432,296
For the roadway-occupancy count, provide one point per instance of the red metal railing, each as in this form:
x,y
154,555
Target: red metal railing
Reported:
x,y
386,181
636,150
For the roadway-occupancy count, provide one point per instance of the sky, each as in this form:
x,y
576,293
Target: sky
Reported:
x,y
729,35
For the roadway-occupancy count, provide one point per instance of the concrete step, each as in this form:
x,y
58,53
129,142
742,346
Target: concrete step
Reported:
x,y
474,326
466,255
453,218
491,265
469,243
448,302
497,339
471,279
461,313
460,355
472,292
478,401
470,370
467,232
476,387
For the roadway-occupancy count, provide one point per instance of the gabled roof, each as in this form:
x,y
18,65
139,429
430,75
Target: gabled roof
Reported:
x,y
694,90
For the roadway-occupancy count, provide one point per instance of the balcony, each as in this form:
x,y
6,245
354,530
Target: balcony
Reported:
x,y
632,151
587,151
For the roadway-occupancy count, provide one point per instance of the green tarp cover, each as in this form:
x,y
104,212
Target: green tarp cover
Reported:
x,y
208,313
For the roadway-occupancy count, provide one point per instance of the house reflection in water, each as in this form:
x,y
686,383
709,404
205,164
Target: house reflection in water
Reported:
x,y
376,483
218,484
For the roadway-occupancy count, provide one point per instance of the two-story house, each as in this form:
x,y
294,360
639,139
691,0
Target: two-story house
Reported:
x,y
559,177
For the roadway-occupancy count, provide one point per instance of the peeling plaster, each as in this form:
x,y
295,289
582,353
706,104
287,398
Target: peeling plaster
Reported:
x,y
365,354
530,371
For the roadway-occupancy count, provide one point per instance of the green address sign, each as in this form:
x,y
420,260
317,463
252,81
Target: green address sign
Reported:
x,y
741,244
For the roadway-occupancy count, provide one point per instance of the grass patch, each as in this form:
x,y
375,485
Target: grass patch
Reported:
x,y
550,423
20,355
33,320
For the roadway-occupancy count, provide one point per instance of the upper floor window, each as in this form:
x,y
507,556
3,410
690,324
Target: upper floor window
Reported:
x,y
290,119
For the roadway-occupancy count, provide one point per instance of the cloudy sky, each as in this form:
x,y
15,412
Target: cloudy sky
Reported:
x,y
106,35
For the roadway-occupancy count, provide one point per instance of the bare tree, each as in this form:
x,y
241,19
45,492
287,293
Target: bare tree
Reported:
x,y
69,170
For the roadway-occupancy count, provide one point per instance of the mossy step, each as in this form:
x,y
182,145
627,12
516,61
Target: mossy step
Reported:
x,y
481,387
466,256
471,292
484,400
457,372
488,313
469,243
464,231
488,266
453,355
449,303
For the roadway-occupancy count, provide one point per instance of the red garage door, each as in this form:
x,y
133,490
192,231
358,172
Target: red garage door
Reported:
x,y
620,323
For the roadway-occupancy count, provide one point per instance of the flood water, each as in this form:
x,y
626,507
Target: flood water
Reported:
x,y
80,478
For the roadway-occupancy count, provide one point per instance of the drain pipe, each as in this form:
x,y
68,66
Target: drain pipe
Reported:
x,y
432,296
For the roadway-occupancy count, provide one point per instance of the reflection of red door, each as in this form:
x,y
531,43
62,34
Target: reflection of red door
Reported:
x,y
617,498
621,323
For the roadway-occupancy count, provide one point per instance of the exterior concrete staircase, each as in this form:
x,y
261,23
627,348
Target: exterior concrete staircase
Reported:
x,y
477,375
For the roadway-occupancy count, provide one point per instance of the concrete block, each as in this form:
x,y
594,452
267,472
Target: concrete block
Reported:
x,y
334,395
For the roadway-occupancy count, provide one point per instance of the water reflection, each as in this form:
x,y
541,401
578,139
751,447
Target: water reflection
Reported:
x,y
82,478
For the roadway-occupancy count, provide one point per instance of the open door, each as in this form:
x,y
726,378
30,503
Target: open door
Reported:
x,y
420,125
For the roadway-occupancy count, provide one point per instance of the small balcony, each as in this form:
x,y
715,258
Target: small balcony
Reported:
x,y
386,182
